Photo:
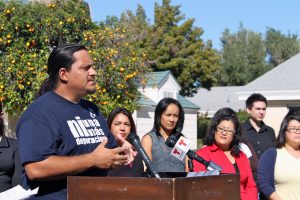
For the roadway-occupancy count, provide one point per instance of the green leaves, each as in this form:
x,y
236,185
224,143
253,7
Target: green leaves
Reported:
x,y
246,55
243,57
28,32
280,47
177,46
122,63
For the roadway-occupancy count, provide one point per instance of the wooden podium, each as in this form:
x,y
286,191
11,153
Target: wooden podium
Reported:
x,y
221,187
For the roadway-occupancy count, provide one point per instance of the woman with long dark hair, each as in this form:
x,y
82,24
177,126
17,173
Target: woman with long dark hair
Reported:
x,y
245,146
278,175
120,122
168,120
222,142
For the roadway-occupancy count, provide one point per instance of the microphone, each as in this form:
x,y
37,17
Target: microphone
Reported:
x,y
182,147
134,140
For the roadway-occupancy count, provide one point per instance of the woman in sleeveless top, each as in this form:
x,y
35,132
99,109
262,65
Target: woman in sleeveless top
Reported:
x,y
168,120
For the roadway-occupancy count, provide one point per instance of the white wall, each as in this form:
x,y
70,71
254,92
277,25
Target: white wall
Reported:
x,y
144,120
276,111
156,92
190,128
151,93
274,117
170,85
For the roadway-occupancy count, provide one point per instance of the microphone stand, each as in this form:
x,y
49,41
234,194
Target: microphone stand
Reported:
x,y
209,165
191,165
134,140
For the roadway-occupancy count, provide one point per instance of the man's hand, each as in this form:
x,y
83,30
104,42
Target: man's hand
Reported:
x,y
130,151
105,158
58,167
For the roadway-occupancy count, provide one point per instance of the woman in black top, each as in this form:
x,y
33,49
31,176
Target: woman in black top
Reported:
x,y
120,121
10,169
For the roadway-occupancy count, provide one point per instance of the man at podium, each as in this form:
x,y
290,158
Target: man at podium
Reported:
x,y
61,134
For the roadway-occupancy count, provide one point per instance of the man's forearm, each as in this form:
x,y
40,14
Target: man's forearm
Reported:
x,y
58,167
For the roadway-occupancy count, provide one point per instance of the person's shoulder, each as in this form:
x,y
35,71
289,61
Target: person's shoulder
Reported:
x,y
147,137
147,141
204,148
268,157
246,125
33,109
242,155
246,128
39,109
40,102
12,141
150,134
270,128
245,122
265,126
270,152
245,149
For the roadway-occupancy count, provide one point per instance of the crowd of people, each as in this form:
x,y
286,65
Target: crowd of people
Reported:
x,y
52,144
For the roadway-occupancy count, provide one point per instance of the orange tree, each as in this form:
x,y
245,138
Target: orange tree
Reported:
x,y
122,67
28,32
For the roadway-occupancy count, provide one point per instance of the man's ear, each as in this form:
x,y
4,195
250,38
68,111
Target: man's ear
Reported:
x,y
63,74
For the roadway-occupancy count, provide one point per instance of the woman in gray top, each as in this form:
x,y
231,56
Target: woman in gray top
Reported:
x,y
168,120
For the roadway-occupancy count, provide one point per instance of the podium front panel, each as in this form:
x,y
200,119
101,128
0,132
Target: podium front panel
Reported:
x,y
113,188
221,187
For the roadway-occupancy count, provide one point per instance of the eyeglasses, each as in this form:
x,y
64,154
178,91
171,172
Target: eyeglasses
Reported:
x,y
227,131
293,130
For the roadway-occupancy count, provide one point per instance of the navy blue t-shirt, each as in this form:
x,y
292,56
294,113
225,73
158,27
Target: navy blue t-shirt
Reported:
x,y
52,125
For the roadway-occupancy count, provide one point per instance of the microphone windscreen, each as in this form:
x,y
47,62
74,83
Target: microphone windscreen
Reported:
x,y
171,141
132,138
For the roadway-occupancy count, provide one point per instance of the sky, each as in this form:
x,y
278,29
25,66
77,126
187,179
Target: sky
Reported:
x,y
214,16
